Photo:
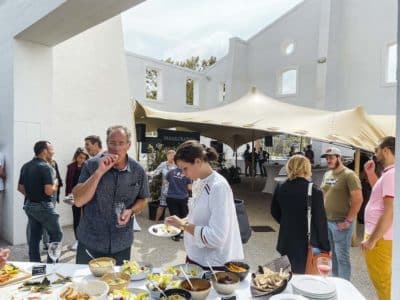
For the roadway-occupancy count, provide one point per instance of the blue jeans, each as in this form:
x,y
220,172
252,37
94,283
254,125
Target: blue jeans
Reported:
x,y
340,241
41,216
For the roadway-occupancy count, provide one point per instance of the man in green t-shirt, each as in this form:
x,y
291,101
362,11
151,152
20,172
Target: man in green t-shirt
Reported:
x,y
343,198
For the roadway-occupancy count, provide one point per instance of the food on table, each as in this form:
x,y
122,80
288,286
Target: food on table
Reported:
x,y
115,281
163,281
124,294
177,272
42,286
132,268
8,272
71,294
270,280
173,297
235,268
226,280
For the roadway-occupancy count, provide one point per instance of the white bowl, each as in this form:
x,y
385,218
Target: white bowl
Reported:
x,y
96,289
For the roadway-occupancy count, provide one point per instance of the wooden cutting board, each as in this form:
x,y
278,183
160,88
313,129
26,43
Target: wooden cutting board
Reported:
x,y
21,275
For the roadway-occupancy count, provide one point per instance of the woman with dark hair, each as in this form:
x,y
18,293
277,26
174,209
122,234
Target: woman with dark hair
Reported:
x,y
73,172
211,229
289,209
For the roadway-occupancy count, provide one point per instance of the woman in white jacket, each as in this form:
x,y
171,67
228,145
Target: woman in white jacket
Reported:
x,y
211,229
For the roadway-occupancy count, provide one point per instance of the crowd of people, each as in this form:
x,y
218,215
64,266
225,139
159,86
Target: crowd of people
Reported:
x,y
334,208
109,187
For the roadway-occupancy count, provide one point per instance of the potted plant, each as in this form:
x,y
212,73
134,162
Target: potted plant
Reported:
x,y
155,156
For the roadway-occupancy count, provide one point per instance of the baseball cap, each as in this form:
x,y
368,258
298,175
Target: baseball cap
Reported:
x,y
331,151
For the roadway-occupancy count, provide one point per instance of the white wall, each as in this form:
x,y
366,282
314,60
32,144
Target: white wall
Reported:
x,y
365,28
172,88
90,92
34,105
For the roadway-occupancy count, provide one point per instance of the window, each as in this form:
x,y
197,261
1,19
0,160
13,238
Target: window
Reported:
x,y
192,91
288,48
152,84
288,82
391,63
222,92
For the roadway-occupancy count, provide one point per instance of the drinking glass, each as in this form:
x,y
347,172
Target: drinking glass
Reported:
x,y
324,265
54,252
119,208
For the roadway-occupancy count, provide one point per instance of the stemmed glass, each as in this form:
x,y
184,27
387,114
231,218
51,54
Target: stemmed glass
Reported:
x,y
54,252
119,208
324,265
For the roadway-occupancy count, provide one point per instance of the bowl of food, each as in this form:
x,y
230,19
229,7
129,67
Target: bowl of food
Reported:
x,y
116,281
137,271
176,294
102,265
201,288
157,282
238,267
91,289
129,294
225,283
191,270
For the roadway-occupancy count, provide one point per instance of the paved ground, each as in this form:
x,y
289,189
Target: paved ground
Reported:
x,y
259,250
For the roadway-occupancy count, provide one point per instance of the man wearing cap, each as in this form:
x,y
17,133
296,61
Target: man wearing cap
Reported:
x,y
343,198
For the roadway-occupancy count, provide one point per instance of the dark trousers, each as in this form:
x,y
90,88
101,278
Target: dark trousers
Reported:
x,y
76,214
178,207
83,258
41,216
262,168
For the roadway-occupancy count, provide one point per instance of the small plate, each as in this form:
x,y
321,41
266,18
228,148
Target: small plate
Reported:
x,y
192,270
162,230
286,296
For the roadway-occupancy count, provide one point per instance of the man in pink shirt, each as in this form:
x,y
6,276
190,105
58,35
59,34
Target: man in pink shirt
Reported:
x,y
377,244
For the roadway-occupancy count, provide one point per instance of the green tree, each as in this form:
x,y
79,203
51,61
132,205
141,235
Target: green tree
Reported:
x,y
194,63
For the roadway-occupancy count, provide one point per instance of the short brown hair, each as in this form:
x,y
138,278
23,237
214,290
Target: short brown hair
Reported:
x,y
94,139
190,150
388,142
298,166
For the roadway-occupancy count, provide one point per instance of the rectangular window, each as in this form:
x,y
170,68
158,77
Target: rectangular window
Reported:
x,y
152,84
391,67
288,82
189,91
222,92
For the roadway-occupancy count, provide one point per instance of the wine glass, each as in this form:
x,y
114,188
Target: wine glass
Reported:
x,y
324,265
54,252
119,208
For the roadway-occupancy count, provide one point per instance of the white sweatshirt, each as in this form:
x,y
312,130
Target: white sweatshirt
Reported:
x,y
216,237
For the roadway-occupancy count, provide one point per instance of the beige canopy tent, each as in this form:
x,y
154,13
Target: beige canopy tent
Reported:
x,y
255,115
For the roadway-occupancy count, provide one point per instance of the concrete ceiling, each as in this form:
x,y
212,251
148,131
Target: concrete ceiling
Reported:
x,y
73,17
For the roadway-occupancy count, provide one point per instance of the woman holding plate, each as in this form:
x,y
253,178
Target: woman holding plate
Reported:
x,y
211,229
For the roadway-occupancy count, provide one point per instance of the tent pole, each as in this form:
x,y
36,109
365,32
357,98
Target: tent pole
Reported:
x,y
235,149
357,170
252,170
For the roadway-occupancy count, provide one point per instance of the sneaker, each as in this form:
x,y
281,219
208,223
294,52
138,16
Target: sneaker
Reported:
x,y
74,246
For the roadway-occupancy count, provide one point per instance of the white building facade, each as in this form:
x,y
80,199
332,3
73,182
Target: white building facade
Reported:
x,y
329,54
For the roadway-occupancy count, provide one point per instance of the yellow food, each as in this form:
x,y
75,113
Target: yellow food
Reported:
x,y
8,272
235,268
71,294
173,297
112,281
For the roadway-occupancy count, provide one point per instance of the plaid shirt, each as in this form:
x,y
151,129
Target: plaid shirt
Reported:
x,y
97,228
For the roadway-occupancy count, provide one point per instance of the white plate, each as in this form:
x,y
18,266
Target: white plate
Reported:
x,y
162,230
313,286
285,296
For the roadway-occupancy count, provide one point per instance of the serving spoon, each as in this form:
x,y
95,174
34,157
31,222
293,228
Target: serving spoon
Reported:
x,y
187,278
212,271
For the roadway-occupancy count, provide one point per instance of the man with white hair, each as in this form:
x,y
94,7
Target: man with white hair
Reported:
x,y
342,198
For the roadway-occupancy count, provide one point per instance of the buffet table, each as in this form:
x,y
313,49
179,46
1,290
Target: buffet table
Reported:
x,y
345,290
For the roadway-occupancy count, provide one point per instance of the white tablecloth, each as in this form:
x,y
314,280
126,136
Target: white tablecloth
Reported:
x,y
345,290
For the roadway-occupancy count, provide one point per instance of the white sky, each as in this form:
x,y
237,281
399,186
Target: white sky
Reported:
x,y
183,28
